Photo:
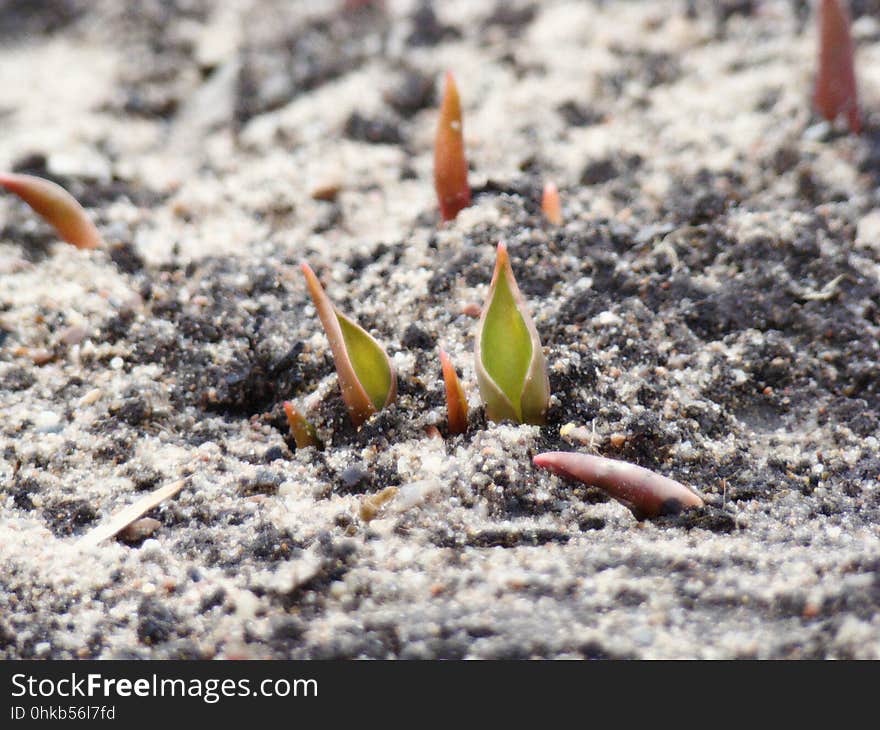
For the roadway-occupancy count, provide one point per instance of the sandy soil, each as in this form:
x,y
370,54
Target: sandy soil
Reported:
x,y
710,309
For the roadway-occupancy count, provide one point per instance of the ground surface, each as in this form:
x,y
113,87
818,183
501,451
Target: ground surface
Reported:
x,y
710,310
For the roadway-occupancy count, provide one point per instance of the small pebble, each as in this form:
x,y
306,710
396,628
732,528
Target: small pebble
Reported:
x,y
415,493
353,477
372,504
117,363
607,319
73,335
93,396
817,132
643,637
326,191
47,422
139,529
572,432
151,546
41,356
433,432
273,453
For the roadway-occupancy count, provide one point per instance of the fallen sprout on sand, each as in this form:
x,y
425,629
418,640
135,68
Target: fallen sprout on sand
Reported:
x,y
56,206
646,493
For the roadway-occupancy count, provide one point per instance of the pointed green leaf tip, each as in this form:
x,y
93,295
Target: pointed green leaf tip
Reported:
x,y
507,346
366,377
510,365
369,360
303,432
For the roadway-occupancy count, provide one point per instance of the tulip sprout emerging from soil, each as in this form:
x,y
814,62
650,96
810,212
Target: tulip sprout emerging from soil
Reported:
x,y
551,205
835,92
303,432
644,492
56,206
510,365
366,376
456,401
450,166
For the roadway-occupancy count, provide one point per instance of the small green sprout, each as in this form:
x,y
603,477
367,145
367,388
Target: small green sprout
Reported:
x,y
56,206
510,365
366,376
303,432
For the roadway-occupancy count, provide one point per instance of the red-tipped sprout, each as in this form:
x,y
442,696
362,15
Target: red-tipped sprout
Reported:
x,y
450,166
56,206
303,432
836,92
456,401
508,358
644,492
367,377
551,206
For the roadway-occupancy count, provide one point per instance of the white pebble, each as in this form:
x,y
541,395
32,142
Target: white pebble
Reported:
x,y
412,494
47,422
607,319
91,397
150,547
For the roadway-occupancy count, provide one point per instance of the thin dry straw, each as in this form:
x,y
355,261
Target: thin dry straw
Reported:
x,y
126,516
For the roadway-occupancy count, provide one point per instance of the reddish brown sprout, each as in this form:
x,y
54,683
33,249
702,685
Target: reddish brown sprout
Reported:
x,y
551,205
450,166
836,92
644,492
303,432
56,206
456,401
